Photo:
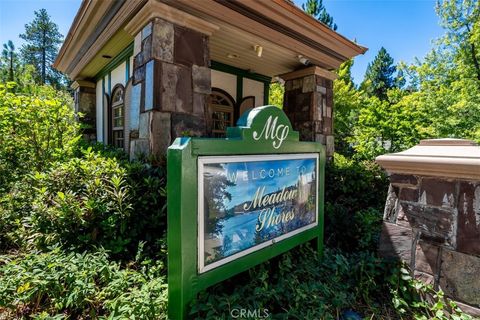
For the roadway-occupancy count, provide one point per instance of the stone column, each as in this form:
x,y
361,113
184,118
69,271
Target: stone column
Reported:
x,y
84,99
432,216
171,79
308,102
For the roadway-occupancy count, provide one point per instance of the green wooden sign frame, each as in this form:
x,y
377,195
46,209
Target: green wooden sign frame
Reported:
x,y
260,131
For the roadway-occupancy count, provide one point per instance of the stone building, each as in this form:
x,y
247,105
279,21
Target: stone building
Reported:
x,y
147,71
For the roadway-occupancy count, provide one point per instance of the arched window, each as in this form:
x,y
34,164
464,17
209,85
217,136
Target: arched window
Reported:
x,y
117,117
221,106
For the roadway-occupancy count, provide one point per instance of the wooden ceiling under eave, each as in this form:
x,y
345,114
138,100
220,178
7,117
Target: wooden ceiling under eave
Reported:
x,y
112,48
241,27
229,41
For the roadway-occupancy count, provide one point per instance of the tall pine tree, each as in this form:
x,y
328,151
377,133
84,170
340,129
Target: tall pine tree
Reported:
x,y
9,61
316,9
41,48
379,76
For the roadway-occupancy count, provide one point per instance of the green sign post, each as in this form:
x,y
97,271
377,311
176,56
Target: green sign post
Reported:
x,y
236,202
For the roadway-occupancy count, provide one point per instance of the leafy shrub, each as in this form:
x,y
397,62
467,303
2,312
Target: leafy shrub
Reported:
x,y
415,299
355,194
35,130
148,224
79,203
86,202
78,286
299,285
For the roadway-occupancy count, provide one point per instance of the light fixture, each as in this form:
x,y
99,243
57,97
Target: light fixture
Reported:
x,y
232,56
279,80
303,60
258,50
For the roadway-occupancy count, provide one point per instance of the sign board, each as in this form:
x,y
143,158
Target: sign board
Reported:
x,y
236,202
246,203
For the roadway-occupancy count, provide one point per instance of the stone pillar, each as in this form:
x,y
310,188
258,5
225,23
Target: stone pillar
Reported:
x,y
308,102
171,78
432,216
84,99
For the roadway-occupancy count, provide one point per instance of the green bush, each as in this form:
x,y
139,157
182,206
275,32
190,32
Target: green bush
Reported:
x,y
300,285
63,285
87,202
80,202
35,130
412,298
355,194
148,224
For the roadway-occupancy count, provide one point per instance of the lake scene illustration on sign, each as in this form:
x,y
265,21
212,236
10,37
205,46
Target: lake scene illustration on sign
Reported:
x,y
248,202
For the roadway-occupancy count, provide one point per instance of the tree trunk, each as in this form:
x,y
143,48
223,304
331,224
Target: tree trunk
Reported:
x,y
11,66
473,51
44,62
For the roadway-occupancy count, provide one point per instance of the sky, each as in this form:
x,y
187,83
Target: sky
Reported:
x,y
14,14
405,28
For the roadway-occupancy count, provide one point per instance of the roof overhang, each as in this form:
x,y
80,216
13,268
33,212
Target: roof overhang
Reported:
x,y
282,29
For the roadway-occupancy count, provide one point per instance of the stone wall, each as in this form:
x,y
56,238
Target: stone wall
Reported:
x,y
84,99
171,83
432,222
308,103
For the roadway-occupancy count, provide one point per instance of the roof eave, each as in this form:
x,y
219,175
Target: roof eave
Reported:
x,y
282,13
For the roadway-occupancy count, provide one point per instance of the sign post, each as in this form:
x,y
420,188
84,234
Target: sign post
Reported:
x,y
236,202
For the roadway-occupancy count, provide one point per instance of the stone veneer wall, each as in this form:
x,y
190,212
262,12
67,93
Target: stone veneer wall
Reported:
x,y
433,224
84,100
308,103
171,84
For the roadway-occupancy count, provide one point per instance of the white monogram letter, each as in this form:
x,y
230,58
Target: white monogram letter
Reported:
x,y
273,132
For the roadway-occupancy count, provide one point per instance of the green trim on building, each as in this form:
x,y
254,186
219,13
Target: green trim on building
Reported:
x,y
239,72
239,96
118,60
127,70
103,109
109,84
266,93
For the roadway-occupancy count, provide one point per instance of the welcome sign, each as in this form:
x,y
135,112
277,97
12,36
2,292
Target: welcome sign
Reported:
x,y
236,202
247,203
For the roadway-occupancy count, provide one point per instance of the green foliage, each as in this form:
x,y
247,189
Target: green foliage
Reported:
x,y
354,202
301,285
415,299
379,77
78,203
87,202
441,99
391,125
9,63
42,41
148,224
316,9
461,21
348,103
62,285
35,130
275,94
